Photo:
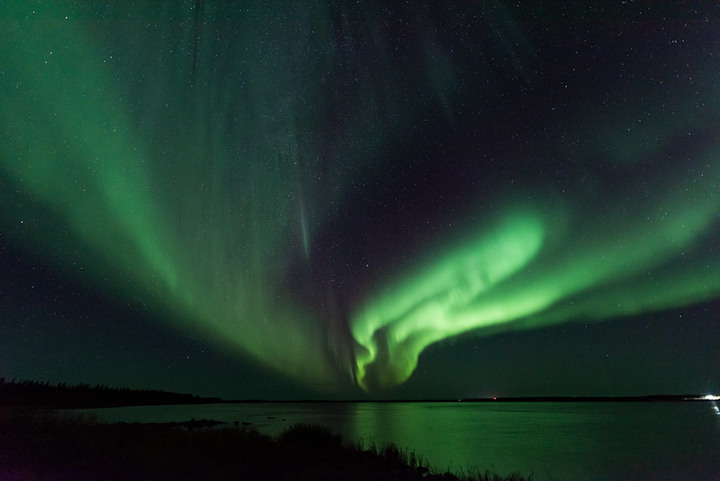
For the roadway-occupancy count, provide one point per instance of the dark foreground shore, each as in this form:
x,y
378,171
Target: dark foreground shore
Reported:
x,y
40,446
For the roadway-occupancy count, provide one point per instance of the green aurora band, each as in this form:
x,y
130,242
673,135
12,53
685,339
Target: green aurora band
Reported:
x,y
623,266
192,195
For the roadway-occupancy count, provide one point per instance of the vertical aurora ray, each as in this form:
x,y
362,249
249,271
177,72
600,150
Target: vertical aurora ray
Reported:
x,y
193,223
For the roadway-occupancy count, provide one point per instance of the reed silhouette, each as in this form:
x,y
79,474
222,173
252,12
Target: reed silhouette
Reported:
x,y
43,445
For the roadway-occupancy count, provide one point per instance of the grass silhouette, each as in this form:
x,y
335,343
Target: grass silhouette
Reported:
x,y
40,445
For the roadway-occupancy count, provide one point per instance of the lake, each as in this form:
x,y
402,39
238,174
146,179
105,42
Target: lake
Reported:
x,y
560,441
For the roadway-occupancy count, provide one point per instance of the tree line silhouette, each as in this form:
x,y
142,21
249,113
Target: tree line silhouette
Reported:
x,y
63,395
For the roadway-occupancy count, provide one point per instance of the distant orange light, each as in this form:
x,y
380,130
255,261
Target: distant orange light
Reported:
x,y
494,398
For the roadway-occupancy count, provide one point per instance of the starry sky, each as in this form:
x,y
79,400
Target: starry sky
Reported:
x,y
365,200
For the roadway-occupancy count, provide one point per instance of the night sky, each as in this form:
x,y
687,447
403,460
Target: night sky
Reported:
x,y
339,199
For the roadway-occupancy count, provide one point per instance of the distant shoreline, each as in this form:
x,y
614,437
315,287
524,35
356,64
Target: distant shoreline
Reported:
x,y
84,396
649,398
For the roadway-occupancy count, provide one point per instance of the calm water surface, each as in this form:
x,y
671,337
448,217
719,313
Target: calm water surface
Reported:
x,y
559,441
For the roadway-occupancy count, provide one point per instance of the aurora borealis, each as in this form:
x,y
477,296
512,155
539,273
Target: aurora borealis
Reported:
x,y
336,193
